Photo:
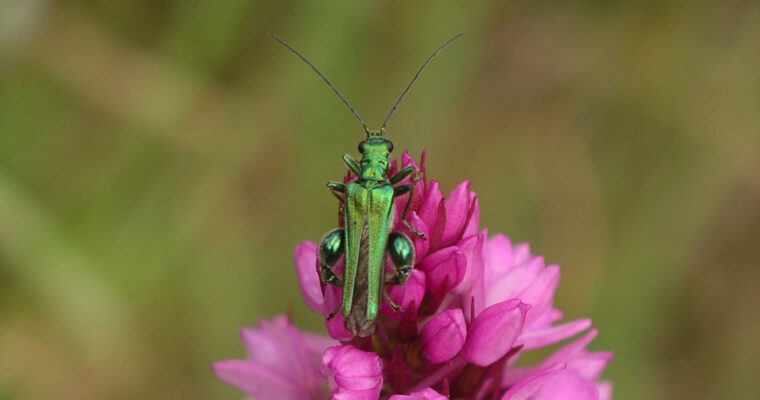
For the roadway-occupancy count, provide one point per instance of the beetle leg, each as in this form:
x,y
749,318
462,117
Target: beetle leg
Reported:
x,y
333,313
400,191
394,306
401,250
330,251
352,165
400,175
339,191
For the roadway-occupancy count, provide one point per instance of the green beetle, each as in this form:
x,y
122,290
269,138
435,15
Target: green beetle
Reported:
x,y
368,213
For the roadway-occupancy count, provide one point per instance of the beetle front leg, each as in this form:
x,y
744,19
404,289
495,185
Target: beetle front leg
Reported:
x,y
394,306
401,250
399,191
333,313
410,170
330,251
400,175
339,191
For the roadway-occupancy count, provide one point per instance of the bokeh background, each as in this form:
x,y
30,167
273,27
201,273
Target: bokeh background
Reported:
x,y
159,160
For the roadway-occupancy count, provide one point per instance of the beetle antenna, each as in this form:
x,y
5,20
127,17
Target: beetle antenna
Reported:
x,y
324,78
417,75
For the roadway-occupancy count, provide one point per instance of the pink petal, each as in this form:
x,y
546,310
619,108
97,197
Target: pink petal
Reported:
x,y
352,373
316,344
546,319
591,365
473,221
472,285
424,394
407,160
428,211
556,383
571,350
444,335
494,331
281,347
266,349
530,282
457,211
575,355
533,339
284,362
258,380
514,281
305,256
500,257
605,390
540,294
448,263
521,253
419,184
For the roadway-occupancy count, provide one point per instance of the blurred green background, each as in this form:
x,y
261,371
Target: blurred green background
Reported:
x,y
159,160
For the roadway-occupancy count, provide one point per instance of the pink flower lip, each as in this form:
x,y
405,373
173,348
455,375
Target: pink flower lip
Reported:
x,y
444,335
283,364
352,373
424,394
554,383
575,355
494,331
533,339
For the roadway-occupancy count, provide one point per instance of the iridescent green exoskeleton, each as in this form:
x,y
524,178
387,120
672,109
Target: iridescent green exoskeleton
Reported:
x,y
367,207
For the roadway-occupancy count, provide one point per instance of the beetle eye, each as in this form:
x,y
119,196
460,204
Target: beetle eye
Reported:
x,y
361,147
389,144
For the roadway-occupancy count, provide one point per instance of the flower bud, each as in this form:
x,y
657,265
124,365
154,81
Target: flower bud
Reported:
x,y
352,373
445,264
494,331
444,335
457,213
429,209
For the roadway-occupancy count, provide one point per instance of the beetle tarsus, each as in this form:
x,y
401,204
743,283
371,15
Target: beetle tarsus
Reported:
x,y
414,231
394,306
333,313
